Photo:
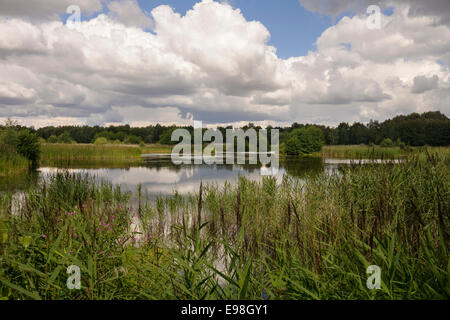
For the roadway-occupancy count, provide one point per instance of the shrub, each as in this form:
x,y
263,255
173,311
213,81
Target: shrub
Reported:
x,y
52,139
100,141
386,143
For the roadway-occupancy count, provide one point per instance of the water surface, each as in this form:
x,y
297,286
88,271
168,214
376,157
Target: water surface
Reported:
x,y
158,176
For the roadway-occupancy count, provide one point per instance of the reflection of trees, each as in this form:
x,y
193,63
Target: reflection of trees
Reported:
x,y
294,166
18,181
300,167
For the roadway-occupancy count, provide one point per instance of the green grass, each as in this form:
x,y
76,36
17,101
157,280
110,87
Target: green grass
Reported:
x,y
110,154
11,163
71,154
303,239
375,152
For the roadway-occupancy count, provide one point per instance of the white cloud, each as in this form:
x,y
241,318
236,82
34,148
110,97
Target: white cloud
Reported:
x,y
214,64
129,13
438,10
45,9
422,84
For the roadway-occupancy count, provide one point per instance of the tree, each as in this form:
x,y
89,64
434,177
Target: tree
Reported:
x,y
305,141
8,135
64,138
166,137
29,146
311,139
343,133
133,140
293,146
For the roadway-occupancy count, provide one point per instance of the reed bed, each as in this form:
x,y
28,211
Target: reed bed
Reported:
x,y
70,154
11,163
309,238
365,151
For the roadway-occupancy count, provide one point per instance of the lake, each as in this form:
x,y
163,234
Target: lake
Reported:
x,y
158,176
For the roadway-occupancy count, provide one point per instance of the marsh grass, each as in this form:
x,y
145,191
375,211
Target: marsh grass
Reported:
x,y
92,152
11,163
302,239
376,152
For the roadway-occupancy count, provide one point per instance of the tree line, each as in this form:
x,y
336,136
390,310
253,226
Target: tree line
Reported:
x,y
429,128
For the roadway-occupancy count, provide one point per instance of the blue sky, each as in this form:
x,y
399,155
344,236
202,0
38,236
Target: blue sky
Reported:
x,y
293,29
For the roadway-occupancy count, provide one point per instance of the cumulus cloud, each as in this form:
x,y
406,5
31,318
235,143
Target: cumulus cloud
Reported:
x,y
45,9
422,84
216,66
129,13
438,10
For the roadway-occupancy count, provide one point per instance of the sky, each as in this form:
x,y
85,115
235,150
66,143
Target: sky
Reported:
x,y
272,62
293,29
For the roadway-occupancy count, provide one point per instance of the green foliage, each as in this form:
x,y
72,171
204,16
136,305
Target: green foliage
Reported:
x,y
305,141
12,163
28,145
52,139
9,135
17,143
387,143
133,140
166,137
64,138
63,154
429,128
100,141
293,146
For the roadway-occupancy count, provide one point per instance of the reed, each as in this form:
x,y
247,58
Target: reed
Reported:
x,y
92,152
11,163
368,152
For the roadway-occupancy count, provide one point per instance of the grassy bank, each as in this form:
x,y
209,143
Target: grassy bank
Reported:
x,y
309,239
90,152
375,152
116,154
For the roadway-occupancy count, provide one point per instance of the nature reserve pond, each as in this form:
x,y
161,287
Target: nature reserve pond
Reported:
x,y
158,176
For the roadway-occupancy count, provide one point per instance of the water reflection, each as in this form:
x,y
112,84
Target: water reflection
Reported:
x,y
160,177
